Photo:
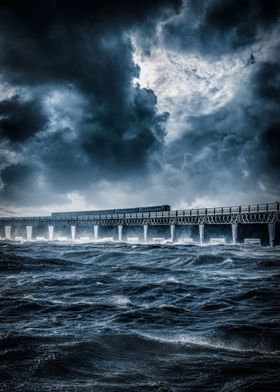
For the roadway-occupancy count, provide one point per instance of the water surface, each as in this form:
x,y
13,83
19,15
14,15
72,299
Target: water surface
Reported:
x,y
120,317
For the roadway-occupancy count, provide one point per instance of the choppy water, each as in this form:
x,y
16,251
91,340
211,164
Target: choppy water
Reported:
x,y
118,317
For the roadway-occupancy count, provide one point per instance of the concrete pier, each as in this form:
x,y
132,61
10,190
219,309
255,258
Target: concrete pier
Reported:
x,y
51,232
271,233
29,233
73,233
120,230
172,232
8,230
95,232
234,227
145,233
201,233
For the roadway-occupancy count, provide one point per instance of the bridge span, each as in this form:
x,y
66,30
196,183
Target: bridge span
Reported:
x,y
246,223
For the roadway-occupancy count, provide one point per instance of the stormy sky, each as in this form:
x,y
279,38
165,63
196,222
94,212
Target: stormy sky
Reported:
x,y
127,103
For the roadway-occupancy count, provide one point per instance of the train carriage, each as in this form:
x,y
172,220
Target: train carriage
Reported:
x,y
136,210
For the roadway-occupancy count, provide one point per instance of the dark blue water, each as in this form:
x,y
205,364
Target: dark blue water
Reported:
x,y
139,318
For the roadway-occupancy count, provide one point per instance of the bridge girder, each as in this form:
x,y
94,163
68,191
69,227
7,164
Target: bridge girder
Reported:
x,y
220,219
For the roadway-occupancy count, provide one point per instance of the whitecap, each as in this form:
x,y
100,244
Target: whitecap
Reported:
x,y
206,342
169,280
121,300
228,261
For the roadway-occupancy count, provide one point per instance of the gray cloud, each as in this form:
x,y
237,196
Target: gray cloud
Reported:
x,y
217,27
21,119
76,120
84,51
236,147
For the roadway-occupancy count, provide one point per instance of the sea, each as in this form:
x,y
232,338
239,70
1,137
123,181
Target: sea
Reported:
x,y
139,317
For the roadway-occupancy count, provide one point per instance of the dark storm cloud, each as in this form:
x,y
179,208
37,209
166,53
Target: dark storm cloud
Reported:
x,y
237,146
20,184
271,144
21,119
266,88
75,117
23,185
61,41
266,82
81,48
216,27
101,147
136,134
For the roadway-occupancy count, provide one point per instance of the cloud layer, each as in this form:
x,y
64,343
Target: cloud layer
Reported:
x,y
216,69
133,103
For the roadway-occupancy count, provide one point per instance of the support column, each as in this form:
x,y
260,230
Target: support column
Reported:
x,y
73,233
145,233
50,233
29,233
95,232
201,233
234,227
8,230
172,232
271,232
120,229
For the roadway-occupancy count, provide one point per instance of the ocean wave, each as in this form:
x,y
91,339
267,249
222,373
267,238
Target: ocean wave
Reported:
x,y
106,315
212,343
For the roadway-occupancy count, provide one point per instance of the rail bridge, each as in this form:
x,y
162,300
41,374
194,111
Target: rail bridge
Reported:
x,y
234,224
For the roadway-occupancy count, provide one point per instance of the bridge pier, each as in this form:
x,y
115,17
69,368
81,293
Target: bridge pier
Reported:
x,y
29,233
50,229
120,230
271,233
234,227
201,233
73,233
8,230
145,233
172,232
95,232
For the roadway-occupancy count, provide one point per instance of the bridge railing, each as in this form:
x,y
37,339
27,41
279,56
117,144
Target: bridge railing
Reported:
x,y
24,218
271,207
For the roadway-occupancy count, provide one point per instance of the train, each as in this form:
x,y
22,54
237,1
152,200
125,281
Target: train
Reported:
x,y
135,210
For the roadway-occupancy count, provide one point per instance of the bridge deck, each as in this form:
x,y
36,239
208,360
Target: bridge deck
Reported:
x,y
256,213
